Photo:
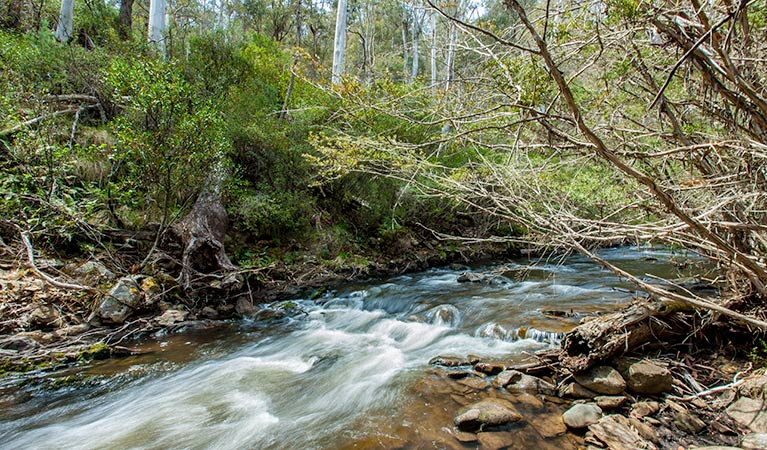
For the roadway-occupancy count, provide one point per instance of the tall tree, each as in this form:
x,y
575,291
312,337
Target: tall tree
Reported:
x,y
126,19
64,29
157,24
339,43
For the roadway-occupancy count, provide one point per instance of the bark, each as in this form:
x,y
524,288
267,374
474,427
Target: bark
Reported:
x,y
416,33
339,44
433,52
202,232
157,24
126,19
64,29
612,335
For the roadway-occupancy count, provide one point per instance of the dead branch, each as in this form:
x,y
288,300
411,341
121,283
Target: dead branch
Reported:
x,y
15,129
48,279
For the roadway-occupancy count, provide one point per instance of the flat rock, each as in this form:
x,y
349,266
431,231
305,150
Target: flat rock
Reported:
x,y
474,383
610,401
471,277
750,413
756,441
646,377
575,390
494,441
464,436
644,409
582,415
491,412
171,316
516,381
689,422
602,380
615,431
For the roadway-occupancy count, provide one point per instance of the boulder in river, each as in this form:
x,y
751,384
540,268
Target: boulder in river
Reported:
x,y
471,277
646,377
491,412
516,381
582,415
602,380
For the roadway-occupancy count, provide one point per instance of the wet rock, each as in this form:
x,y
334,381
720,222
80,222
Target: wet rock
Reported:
x,y
575,390
616,433
644,409
689,422
471,277
754,442
457,374
493,441
491,412
645,377
750,413
582,415
95,270
602,380
18,343
610,401
516,381
489,368
463,436
269,314
245,308
474,383
445,315
492,330
449,361
171,317
548,425
127,291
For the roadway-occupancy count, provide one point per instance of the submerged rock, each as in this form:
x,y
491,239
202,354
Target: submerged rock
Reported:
x,y
645,377
491,412
602,380
445,315
582,415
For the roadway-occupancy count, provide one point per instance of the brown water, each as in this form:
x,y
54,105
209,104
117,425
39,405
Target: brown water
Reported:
x,y
350,372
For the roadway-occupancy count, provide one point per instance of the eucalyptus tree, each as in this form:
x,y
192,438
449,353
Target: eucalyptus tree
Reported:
x,y
339,43
64,28
156,33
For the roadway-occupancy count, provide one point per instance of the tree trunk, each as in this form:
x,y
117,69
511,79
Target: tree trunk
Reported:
x,y
339,44
202,232
64,29
416,32
433,51
126,19
157,24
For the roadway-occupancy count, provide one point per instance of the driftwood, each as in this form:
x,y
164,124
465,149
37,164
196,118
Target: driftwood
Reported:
x,y
202,232
611,335
45,277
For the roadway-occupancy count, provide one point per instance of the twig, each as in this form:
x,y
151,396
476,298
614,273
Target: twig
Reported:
x,y
45,277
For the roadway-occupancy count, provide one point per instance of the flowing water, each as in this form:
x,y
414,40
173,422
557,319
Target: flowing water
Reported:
x,y
333,376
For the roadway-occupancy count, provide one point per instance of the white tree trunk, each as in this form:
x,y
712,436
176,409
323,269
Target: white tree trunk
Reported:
x,y
64,29
404,47
433,51
157,24
416,32
449,63
339,44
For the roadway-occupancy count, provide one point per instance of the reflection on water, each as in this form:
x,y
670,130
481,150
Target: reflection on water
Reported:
x,y
300,384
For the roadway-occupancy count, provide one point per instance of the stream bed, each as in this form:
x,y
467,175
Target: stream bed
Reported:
x,y
347,370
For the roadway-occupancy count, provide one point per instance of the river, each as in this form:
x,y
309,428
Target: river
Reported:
x,y
335,375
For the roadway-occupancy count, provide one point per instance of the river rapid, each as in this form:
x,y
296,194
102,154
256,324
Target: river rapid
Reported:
x,y
340,372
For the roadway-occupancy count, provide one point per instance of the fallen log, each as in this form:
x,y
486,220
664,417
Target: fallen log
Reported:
x,y
614,334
